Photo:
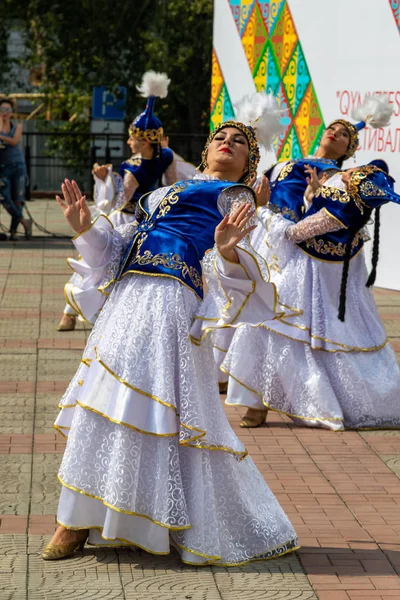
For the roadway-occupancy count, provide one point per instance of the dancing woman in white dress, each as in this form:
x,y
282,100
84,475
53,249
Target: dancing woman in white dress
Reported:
x,y
321,370
151,460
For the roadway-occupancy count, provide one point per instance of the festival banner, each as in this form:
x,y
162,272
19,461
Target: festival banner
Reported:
x,y
320,59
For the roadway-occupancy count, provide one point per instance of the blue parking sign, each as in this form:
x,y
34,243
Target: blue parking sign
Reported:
x,y
109,103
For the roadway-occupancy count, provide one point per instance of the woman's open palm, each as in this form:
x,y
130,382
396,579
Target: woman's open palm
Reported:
x,y
233,228
74,206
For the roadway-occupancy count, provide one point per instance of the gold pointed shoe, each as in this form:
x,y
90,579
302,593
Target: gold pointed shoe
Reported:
x,y
67,323
254,421
58,551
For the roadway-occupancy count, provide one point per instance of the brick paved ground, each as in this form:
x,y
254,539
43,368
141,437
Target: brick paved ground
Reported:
x,y
341,490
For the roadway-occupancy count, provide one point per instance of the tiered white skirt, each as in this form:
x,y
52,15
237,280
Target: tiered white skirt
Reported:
x,y
151,459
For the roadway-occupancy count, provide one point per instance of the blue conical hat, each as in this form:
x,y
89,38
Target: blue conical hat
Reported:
x,y
147,126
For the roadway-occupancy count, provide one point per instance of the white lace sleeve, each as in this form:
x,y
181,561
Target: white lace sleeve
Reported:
x,y
318,224
282,234
119,194
276,170
238,293
184,170
233,197
103,244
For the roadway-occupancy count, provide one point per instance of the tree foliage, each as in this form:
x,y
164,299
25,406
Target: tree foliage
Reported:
x,y
73,46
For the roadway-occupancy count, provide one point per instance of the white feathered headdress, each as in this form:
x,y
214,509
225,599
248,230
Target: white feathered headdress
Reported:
x,y
259,117
263,113
154,84
374,112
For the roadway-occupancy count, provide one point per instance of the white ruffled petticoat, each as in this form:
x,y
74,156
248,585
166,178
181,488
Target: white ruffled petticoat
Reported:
x,y
308,364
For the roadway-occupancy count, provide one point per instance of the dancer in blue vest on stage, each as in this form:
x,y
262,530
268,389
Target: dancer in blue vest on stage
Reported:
x,y
291,182
321,370
291,188
152,161
151,460
117,194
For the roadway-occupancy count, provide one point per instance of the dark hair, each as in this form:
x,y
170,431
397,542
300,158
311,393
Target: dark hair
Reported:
x,y
156,153
375,248
340,161
8,101
156,149
346,264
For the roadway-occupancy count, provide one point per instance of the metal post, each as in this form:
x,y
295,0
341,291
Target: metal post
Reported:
x,y
108,150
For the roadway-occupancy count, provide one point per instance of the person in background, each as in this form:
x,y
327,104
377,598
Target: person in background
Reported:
x,y
12,170
117,194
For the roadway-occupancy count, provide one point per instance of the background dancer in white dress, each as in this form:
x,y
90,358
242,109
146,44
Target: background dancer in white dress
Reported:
x,y
375,111
319,369
290,188
117,194
151,459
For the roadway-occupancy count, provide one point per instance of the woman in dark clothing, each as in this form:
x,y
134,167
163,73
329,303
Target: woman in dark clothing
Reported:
x,y
12,170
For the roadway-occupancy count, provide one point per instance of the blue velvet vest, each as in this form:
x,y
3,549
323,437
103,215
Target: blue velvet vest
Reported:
x,y
147,172
370,188
288,189
171,241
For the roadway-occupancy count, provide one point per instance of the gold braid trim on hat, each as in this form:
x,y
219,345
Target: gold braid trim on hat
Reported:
x,y
153,136
353,133
254,150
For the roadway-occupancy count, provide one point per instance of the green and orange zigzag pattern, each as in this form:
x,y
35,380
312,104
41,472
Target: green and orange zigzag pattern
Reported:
x,y
278,65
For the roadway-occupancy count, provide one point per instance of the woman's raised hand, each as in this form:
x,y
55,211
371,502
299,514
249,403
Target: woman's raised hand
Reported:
x,y
346,177
101,171
74,206
312,178
232,229
263,192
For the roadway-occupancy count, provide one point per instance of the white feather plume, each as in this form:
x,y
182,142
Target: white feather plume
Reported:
x,y
263,112
375,111
154,84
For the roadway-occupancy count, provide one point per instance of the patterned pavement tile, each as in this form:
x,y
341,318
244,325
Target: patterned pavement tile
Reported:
x,y
71,355
393,462
19,329
45,488
57,370
20,418
46,412
18,367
